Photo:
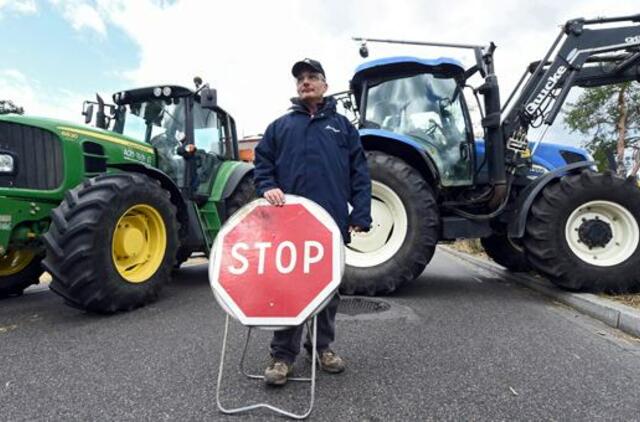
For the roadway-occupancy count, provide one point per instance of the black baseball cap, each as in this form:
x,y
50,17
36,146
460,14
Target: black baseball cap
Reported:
x,y
308,64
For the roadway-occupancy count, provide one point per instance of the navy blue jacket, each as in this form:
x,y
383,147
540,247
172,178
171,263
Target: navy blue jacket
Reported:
x,y
319,157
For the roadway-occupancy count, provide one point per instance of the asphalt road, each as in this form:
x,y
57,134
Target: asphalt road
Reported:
x,y
457,344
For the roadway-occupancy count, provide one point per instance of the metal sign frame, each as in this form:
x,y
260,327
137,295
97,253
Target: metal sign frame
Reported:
x,y
311,379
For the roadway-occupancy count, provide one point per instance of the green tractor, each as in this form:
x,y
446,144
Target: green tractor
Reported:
x,y
109,211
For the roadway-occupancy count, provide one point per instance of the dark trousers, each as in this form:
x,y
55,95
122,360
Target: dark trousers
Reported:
x,y
286,343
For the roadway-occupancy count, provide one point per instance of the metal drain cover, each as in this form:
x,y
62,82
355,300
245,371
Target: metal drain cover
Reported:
x,y
359,306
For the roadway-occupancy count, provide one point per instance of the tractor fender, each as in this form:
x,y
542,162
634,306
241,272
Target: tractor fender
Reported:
x,y
238,173
402,147
518,221
165,181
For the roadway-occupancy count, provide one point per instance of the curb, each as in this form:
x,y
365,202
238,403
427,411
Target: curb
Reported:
x,y
616,315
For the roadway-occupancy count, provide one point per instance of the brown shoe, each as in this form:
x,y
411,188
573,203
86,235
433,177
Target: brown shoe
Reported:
x,y
331,362
277,372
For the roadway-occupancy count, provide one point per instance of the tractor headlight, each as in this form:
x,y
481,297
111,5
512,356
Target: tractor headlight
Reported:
x,y
536,171
7,164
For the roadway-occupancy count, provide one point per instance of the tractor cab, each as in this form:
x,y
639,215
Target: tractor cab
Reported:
x,y
419,102
192,137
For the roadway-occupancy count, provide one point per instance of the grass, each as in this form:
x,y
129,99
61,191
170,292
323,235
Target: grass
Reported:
x,y
629,300
470,246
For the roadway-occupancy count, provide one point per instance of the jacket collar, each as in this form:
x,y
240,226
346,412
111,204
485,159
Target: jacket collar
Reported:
x,y
328,106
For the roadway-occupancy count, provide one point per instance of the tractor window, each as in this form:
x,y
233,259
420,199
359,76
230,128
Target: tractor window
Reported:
x,y
429,110
135,127
208,131
149,120
161,123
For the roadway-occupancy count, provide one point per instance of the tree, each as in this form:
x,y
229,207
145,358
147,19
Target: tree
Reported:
x,y
611,116
8,106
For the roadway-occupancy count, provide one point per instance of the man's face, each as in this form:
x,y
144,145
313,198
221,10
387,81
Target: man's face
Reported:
x,y
311,86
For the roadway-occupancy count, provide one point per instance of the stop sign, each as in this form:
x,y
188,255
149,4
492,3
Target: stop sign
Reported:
x,y
276,266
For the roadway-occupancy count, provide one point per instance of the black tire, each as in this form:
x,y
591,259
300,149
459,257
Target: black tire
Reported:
x,y
503,251
181,257
13,284
80,243
419,243
549,238
244,193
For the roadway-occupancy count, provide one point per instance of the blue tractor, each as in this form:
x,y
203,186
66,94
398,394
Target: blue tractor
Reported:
x,y
540,207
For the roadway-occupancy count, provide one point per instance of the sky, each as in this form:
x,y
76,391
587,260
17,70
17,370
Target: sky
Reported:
x,y
57,53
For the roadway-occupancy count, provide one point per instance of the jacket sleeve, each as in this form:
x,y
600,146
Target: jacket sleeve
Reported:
x,y
360,182
264,175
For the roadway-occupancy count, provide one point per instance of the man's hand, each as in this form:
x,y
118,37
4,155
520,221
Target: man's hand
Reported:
x,y
356,229
275,197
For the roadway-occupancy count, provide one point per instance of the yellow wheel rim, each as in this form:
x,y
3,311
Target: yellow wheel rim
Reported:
x,y
139,243
15,261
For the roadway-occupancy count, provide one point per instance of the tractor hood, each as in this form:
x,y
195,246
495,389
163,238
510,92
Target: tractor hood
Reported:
x,y
62,127
379,70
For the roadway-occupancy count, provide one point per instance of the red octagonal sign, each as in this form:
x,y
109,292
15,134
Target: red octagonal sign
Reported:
x,y
276,266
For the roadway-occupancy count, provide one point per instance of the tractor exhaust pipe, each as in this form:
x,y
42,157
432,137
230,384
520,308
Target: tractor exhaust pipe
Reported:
x,y
494,138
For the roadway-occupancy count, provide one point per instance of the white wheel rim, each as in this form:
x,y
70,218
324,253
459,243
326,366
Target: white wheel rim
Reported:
x,y
624,231
388,230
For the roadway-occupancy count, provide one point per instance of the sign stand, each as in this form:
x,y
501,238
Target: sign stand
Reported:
x,y
311,379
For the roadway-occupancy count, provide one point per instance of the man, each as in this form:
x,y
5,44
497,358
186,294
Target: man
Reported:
x,y
316,153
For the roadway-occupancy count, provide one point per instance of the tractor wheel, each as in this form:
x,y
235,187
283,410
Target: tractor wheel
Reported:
x,y
244,193
505,252
112,243
583,232
182,256
19,269
404,232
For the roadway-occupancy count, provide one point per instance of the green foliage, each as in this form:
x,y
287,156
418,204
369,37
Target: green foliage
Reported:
x,y
597,114
602,156
8,106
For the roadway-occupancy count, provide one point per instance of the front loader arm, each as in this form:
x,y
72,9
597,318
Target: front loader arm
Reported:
x,y
584,57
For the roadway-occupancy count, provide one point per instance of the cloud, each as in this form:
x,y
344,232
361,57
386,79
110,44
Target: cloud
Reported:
x,y
81,15
24,7
39,100
245,48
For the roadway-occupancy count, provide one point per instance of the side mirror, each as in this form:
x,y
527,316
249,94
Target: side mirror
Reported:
x,y
101,118
88,114
208,98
